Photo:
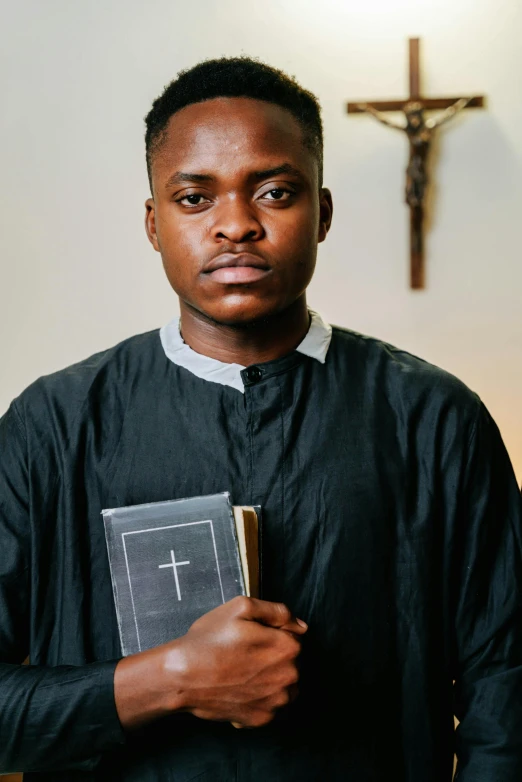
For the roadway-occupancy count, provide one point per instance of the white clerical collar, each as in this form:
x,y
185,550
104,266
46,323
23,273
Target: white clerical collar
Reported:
x,y
315,345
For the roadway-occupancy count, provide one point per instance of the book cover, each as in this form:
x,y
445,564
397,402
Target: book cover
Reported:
x,y
171,562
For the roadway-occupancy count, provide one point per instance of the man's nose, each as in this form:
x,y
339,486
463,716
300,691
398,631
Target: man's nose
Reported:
x,y
237,222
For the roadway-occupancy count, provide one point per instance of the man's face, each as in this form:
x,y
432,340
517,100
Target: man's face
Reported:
x,y
237,210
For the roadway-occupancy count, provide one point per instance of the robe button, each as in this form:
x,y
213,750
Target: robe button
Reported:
x,y
253,374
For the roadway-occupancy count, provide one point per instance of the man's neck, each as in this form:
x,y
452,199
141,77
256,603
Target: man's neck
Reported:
x,y
253,344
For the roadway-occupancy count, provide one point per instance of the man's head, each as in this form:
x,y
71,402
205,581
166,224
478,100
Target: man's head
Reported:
x,y
234,154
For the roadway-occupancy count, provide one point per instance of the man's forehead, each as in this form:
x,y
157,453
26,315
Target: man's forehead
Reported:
x,y
232,126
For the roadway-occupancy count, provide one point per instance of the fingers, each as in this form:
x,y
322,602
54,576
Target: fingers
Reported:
x,y
297,626
265,710
275,615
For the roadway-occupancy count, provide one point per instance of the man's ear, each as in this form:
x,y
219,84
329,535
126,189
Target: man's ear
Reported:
x,y
150,223
325,213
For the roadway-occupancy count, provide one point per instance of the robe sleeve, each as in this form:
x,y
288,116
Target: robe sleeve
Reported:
x,y
50,717
487,601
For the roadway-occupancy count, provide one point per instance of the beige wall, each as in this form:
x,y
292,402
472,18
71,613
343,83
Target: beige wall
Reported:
x,y
76,273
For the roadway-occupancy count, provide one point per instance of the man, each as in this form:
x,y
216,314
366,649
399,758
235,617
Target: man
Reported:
x,y
391,516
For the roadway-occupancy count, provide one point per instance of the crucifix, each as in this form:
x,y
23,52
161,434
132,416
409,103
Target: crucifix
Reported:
x,y
175,565
419,132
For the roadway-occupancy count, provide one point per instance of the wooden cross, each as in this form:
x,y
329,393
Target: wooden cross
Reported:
x,y
420,133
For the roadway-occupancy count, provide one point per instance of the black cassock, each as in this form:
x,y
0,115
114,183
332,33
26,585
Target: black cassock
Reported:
x,y
391,523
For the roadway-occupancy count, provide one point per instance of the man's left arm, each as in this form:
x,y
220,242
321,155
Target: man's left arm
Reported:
x,y
487,611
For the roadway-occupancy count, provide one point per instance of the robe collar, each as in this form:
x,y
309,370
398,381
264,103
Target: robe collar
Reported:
x,y
315,345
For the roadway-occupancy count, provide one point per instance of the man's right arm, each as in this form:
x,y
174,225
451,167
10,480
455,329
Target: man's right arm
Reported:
x,y
237,663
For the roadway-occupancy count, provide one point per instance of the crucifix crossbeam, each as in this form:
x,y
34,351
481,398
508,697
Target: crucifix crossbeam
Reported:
x,y
419,131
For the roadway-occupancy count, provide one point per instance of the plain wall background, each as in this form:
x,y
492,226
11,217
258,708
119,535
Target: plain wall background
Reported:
x,y
77,76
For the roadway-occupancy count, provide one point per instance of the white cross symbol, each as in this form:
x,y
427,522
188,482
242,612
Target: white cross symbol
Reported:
x,y
175,565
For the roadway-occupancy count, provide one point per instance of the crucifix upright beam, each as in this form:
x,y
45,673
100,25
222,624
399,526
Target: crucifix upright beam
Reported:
x,y
414,44
419,131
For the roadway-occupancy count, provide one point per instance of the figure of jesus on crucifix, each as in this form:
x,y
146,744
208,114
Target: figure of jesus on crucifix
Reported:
x,y
419,132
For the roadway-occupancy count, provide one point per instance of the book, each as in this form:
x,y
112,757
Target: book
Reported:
x,y
171,562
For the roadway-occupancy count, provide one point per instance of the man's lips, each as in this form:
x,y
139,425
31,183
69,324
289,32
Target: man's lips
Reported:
x,y
238,274
230,268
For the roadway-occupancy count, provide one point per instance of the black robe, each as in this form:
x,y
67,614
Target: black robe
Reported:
x,y
391,523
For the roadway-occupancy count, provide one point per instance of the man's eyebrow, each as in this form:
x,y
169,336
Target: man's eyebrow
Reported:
x,y
284,168
183,177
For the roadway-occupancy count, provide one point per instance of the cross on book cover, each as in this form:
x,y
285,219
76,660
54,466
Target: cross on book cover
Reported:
x,y
171,562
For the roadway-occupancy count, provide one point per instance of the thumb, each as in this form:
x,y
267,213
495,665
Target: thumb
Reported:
x,y
271,614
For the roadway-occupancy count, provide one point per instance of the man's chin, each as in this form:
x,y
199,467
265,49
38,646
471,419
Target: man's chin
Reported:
x,y
241,314
240,320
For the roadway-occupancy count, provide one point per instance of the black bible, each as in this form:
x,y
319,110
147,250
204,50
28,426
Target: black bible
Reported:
x,y
171,562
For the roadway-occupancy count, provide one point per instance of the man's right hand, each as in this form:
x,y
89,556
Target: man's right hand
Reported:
x,y
237,663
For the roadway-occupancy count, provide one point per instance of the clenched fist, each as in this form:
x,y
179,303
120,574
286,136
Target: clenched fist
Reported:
x,y
240,662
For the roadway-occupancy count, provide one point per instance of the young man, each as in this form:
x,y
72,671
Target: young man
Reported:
x,y
391,515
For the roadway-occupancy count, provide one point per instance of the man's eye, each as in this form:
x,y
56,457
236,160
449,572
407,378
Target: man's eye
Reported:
x,y
277,194
192,200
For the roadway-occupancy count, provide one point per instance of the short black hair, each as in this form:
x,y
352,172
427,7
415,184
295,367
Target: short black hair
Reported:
x,y
235,77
